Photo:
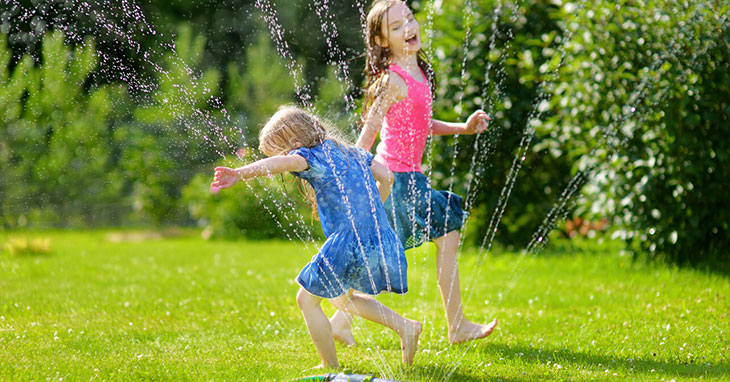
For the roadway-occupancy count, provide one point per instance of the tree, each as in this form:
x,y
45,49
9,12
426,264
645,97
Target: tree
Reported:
x,y
57,143
651,86
624,107
178,132
262,208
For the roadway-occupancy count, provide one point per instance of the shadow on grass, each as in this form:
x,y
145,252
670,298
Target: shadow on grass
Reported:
x,y
711,264
623,365
439,373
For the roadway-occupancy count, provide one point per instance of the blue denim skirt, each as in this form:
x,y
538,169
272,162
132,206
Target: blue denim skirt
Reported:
x,y
419,213
367,260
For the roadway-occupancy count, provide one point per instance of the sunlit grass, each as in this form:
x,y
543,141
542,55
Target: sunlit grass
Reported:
x,y
24,246
105,306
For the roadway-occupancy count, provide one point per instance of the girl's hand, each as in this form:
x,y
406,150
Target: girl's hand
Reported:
x,y
477,122
224,177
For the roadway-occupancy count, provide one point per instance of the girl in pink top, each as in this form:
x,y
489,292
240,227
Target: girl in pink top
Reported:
x,y
399,99
408,121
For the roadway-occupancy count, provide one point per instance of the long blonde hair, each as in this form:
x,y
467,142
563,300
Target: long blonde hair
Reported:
x,y
377,58
291,128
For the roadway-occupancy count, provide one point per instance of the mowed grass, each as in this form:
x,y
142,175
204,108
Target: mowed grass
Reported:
x,y
104,306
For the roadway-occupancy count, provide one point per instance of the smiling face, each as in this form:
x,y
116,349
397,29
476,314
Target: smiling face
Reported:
x,y
399,31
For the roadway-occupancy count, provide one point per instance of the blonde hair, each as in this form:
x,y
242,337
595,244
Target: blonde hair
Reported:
x,y
378,58
291,128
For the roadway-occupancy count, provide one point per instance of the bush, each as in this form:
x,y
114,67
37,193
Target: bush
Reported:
x,y
23,246
628,99
653,87
56,140
508,50
258,209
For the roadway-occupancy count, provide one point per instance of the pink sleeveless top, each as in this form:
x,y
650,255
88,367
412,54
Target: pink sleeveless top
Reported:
x,y
406,127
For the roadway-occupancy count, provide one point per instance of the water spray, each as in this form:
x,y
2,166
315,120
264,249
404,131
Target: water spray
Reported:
x,y
341,377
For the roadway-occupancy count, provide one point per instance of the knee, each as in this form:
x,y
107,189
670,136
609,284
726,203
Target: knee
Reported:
x,y
304,299
448,241
453,237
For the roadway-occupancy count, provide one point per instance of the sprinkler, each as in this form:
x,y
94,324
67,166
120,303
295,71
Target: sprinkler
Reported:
x,y
341,377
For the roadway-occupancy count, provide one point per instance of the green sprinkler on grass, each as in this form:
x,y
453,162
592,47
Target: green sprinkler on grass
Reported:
x,y
342,377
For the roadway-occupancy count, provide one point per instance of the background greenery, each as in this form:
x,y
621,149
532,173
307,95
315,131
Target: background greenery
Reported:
x,y
115,114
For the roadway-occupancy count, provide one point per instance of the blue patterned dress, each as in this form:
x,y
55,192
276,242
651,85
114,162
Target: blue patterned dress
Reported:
x,y
362,252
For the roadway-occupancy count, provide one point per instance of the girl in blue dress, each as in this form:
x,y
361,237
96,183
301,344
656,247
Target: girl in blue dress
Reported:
x,y
362,252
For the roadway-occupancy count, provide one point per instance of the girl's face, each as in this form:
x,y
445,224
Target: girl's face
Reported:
x,y
399,31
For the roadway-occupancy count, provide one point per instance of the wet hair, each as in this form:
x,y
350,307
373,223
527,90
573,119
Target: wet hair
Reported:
x,y
291,128
378,58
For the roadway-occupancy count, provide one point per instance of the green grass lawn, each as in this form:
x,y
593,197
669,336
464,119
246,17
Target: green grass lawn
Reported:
x,y
182,308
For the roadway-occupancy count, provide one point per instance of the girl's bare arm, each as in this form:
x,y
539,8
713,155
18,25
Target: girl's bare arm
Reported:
x,y
384,177
391,94
476,123
226,177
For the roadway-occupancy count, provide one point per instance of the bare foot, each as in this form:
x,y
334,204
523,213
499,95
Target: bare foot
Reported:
x,y
341,329
468,331
409,341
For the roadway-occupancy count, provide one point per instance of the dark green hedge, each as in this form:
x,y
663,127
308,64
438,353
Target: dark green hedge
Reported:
x,y
628,104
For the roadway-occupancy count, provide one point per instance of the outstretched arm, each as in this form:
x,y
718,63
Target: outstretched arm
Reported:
x,y
226,177
476,123
384,177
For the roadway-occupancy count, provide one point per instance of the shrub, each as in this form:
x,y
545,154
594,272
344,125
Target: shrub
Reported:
x,y
628,99
649,94
22,246
258,209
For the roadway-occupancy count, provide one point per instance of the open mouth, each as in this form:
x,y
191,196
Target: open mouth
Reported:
x,y
412,40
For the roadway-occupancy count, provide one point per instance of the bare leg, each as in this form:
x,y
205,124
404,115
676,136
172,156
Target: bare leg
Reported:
x,y
373,310
460,329
340,323
318,326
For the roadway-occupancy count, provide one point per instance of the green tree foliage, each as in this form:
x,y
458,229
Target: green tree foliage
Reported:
x,y
649,95
627,98
56,136
256,89
78,154
317,33
622,108
263,208
335,103
175,134
499,70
